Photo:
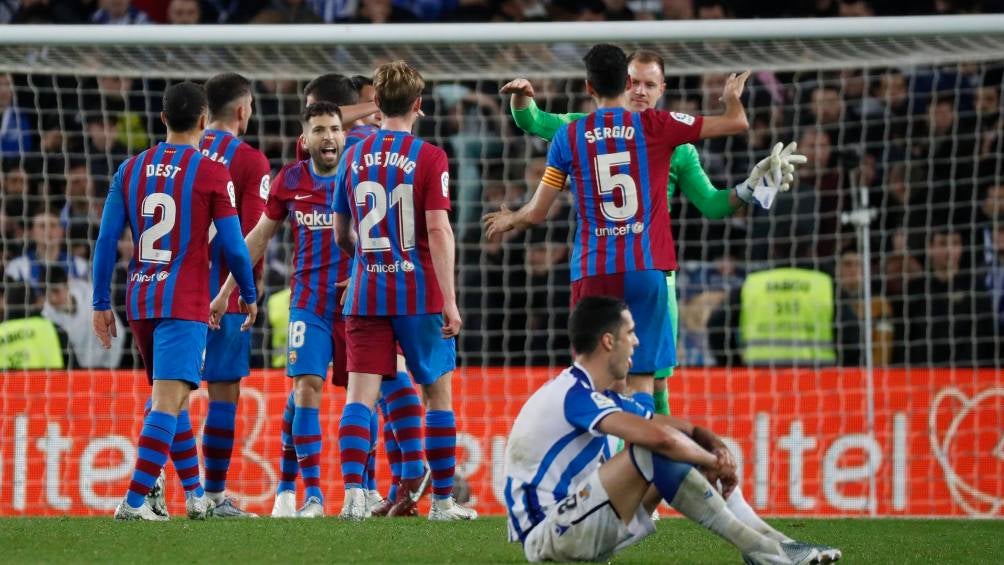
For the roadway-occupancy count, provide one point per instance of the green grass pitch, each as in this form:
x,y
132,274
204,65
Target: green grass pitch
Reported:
x,y
408,541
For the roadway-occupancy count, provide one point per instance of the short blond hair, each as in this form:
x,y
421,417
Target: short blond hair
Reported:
x,y
397,86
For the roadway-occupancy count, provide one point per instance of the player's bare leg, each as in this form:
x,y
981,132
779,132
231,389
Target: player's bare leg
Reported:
x,y
354,440
441,449
307,441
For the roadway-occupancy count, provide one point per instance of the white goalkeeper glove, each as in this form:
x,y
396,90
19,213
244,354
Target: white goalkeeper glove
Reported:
x,y
773,173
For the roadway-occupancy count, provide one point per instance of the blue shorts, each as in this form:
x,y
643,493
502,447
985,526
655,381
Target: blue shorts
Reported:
x,y
372,339
314,342
172,350
647,297
228,351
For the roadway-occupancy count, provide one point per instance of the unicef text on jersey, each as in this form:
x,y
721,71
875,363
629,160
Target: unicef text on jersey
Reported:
x,y
388,268
618,231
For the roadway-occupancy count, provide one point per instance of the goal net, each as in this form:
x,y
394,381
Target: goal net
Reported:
x,y
847,342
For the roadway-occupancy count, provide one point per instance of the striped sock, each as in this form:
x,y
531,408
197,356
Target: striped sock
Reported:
x,y
307,440
289,467
218,443
186,457
151,454
441,450
370,480
404,412
393,453
354,443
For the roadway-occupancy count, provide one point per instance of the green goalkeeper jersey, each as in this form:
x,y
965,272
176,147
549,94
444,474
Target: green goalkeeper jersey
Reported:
x,y
684,168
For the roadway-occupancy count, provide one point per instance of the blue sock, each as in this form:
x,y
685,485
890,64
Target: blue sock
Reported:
x,y
393,453
218,443
354,443
307,440
646,400
404,412
441,450
151,454
371,483
289,467
186,457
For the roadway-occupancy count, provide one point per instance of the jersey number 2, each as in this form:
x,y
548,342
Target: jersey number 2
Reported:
x,y
607,183
403,196
168,215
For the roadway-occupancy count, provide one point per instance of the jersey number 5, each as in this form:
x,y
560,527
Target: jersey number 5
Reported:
x,y
403,197
168,215
607,182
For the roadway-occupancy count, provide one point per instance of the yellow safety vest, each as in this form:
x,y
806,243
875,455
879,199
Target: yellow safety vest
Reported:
x,y
787,317
278,321
30,343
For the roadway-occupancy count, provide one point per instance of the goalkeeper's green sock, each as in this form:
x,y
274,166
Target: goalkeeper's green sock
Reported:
x,y
661,402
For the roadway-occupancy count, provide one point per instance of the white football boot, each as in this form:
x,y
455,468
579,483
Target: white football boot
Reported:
x,y
144,512
445,509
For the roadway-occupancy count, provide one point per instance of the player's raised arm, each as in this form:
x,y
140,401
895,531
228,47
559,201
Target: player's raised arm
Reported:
x,y
113,221
528,116
734,120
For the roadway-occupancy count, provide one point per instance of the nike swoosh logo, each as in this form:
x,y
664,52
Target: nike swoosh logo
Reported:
x,y
301,196
415,495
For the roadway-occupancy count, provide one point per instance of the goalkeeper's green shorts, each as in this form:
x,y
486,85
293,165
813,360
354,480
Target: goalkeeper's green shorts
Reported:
x,y
674,319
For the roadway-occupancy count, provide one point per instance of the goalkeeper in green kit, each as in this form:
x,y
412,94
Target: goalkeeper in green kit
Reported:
x,y
646,85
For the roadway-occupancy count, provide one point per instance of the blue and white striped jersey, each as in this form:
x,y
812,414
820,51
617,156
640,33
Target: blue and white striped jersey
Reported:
x,y
554,444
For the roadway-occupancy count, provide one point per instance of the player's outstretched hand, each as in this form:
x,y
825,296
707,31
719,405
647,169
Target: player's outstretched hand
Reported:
x,y
252,313
788,159
451,320
217,308
734,86
104,327
497,223
520,86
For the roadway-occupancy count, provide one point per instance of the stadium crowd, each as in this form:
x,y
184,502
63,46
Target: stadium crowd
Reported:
x,y
925,142
130,12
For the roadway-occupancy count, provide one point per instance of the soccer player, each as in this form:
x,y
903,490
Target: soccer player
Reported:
x,y
646,84
616,161
302,192
228,350
170,195
568,500
391,210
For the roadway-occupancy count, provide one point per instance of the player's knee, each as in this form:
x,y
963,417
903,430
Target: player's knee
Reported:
x,y
439,395
307,390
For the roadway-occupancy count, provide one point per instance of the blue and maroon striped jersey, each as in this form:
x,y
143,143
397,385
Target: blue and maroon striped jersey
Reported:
x,y
171,195
386,183
304,198
359,133
617,163
249,170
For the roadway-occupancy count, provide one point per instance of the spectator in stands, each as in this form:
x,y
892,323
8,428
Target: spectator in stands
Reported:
x,y
713,10
618,11
855,9
381,12
184,12
68,305
15,205
103,149
677,10
119,12
548,289
987,104
28,340
46,247
704,287
113,98
850,285
288,12
949,319
991,276
82,210
15,125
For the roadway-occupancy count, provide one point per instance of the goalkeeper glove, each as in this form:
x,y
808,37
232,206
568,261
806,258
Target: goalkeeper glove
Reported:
x,y
773,173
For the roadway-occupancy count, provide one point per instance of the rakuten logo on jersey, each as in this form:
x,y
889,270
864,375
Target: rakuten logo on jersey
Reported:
x,y
141,278
388,268
635,228
315,220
